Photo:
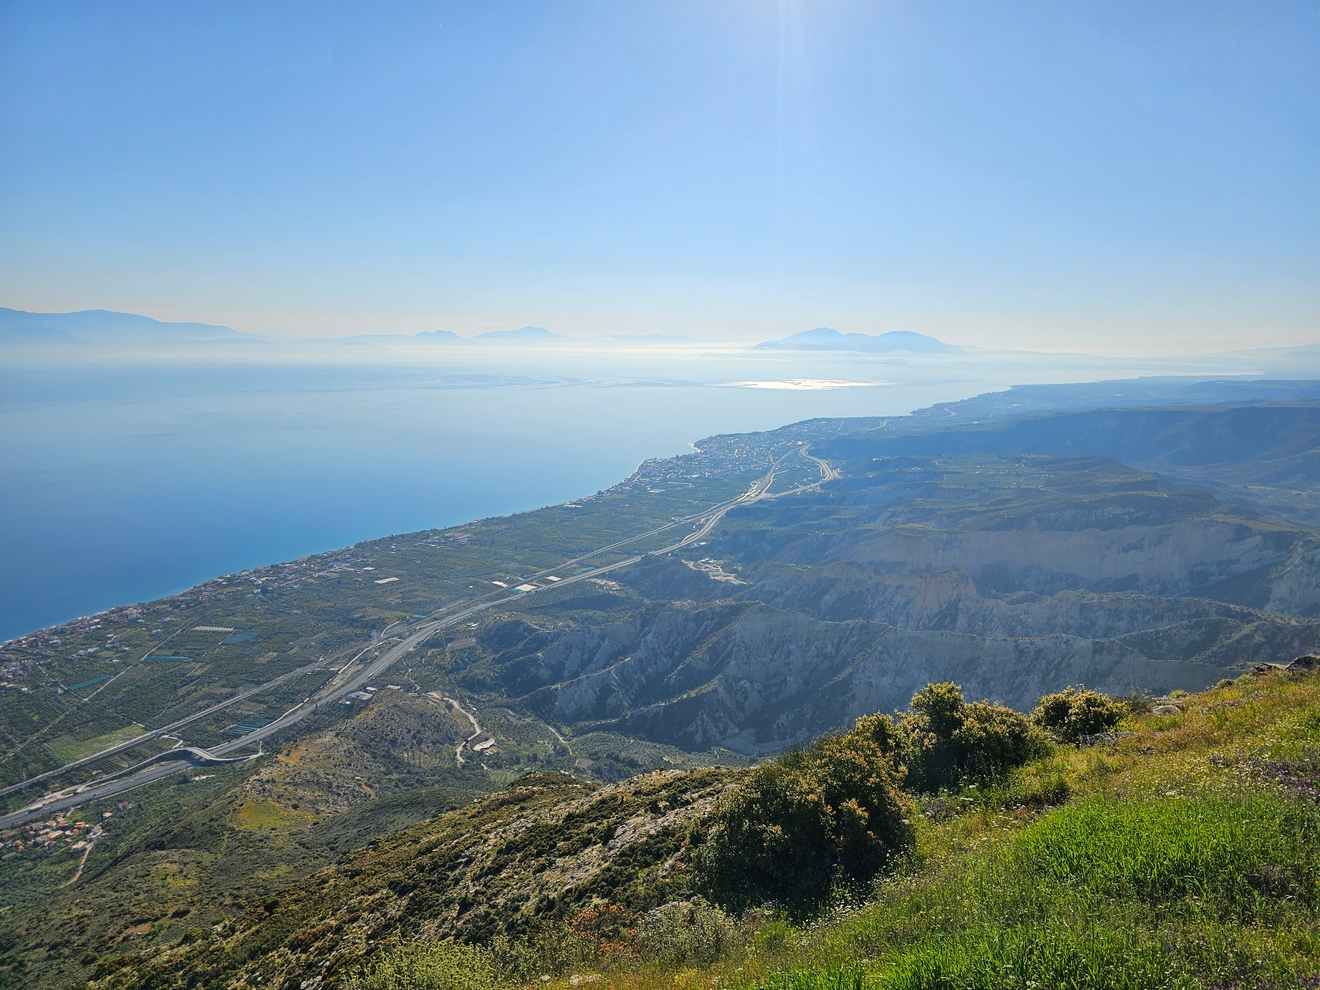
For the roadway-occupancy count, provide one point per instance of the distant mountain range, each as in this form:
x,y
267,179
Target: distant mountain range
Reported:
x,y
829,339
523,335
102,326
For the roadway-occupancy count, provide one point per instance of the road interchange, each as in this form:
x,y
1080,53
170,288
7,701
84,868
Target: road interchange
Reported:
x,y
350,678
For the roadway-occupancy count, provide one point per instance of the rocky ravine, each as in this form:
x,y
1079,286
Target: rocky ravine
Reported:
x,y
1012,578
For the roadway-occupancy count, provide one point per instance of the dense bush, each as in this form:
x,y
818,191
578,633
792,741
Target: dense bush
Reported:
x,y
1075,713
429,966
692,932
947,742
796,824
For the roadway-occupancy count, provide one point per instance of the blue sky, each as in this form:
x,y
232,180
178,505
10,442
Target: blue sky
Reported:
x,y
1128,177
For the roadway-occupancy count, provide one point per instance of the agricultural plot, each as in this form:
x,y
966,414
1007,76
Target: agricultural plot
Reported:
x,y
156,663
67,749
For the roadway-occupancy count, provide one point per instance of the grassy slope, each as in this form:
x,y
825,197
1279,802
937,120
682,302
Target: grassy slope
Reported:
x,y
1185,855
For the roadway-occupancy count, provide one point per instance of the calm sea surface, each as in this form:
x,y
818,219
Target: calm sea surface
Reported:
x,y
130,481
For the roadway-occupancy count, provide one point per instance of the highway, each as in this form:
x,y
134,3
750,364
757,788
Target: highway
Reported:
x,y
358,672
44,730
162,730
827,471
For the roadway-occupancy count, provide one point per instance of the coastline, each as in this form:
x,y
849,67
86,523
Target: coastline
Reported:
x,y
260,573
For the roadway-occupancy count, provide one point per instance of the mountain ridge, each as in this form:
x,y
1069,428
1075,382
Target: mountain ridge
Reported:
x,y
522,335
889,342
98,326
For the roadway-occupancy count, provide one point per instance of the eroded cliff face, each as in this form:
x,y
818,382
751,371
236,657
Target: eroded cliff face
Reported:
x,y
1294,585
953,602
1012,578
1174,558
764,678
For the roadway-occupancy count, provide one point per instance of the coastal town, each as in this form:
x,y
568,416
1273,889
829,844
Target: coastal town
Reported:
x,y
67,830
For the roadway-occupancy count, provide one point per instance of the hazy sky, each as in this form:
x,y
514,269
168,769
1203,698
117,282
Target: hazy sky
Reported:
x,y
1088,176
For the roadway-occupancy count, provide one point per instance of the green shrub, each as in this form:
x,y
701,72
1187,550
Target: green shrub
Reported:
x,y
947,742
1075,713
429,966
693,932
795,825
771,936
1137,703
879,729
550,948
1034,786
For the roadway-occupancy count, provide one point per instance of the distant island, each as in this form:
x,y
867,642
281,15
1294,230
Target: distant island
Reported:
x,y
523,335
102,326
108,328
829,339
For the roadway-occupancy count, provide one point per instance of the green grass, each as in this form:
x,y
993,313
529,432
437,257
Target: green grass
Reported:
x,y
1166,861
67,749
848,977
1062,956
258,814
1110,894
1235,855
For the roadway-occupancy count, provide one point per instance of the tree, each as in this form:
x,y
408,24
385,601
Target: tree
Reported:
x,y
1074,713
834,811
947,742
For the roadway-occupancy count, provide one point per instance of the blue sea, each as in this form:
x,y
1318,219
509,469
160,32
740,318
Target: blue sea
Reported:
x,y
130,479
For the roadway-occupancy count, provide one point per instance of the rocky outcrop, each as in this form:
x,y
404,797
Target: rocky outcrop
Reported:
x,y
547,846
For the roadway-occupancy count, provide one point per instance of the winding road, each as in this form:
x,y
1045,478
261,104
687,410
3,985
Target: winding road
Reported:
x,y
828,472
163,730
364,667
472,719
